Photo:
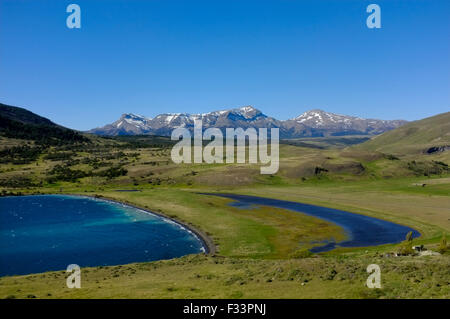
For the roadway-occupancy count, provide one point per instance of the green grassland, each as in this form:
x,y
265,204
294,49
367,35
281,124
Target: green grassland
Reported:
x,y
199,276
260,252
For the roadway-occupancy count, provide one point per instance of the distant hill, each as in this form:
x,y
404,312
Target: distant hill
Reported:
x,y
22,115
430,135
315,123
19,123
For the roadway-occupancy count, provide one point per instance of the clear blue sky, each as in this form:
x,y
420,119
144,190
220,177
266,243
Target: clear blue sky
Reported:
x,y
283,57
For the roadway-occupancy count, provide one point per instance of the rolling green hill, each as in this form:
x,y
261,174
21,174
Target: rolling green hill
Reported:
x,y
23,116
429,135
18,123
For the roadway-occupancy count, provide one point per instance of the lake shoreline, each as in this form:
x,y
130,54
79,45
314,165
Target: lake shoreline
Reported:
x,y
207,242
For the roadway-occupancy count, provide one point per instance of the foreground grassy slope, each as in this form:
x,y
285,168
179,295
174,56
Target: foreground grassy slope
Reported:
x,y
216,277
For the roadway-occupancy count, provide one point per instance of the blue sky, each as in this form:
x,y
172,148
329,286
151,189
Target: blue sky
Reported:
x,y
283,57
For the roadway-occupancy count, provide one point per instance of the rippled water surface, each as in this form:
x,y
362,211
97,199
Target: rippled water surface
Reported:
x,y
49,232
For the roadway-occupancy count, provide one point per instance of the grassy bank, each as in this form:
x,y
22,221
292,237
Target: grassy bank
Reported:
x,y
215,277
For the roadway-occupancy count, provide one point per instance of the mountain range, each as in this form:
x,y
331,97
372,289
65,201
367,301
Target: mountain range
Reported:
x,y
309,124
427,136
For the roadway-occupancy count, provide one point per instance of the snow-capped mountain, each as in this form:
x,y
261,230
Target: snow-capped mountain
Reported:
x,y
311,123
343,124
163,124
128,124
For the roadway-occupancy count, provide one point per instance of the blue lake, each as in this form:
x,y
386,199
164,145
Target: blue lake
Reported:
x,y
49,232
361,230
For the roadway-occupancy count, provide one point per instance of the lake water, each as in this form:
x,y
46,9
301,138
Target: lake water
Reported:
x,y
362,230
49,232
